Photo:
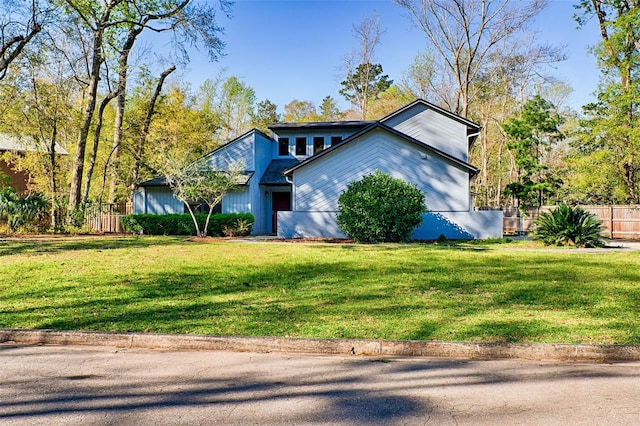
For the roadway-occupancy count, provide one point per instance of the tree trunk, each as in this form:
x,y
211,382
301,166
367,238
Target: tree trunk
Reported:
x,y
193,217
123,67
92,90
52,177
139,150
96,141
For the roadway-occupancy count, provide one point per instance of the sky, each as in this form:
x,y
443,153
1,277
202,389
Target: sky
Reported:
x,y
293,49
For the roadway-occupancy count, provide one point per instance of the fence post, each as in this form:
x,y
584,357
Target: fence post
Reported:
x,y
611,221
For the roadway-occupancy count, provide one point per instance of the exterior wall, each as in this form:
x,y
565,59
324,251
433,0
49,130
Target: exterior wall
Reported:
x,y
460,225
308,225
318,185
265,150
433,128
237,202
309,134
156,200
453,225
240,149
18,179
256,151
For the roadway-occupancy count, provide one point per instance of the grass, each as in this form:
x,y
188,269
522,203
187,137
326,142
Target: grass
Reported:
x,y
482,293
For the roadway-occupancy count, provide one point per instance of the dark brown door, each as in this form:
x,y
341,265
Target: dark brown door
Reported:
x,y
281,202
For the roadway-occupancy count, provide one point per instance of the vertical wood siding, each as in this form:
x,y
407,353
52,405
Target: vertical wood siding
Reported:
x,y
237,202
433,128
157,200
256,151
319,184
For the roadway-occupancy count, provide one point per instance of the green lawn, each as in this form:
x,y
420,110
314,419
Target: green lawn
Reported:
x,y
482,293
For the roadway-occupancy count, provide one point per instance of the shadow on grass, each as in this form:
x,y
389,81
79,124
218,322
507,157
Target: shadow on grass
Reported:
x,y
430,297
59,244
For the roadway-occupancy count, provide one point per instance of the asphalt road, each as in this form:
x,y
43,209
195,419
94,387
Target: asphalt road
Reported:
x,y
49,385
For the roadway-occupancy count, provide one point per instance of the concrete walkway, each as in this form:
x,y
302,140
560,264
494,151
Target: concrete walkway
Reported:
x,y
60,385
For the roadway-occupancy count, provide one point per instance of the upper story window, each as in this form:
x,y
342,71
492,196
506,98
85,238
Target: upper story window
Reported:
x,y
335,140
318,144
301,146
283,147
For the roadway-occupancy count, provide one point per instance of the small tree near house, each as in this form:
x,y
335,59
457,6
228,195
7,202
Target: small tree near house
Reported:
x,y
380,208
199,184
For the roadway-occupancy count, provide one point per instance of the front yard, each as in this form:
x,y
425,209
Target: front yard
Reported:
x,y
427,292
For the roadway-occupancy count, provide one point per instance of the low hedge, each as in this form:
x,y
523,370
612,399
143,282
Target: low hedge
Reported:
x,y
222,224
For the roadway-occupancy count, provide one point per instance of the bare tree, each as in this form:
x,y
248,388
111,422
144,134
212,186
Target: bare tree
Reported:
x,y
361,62
463,33
19,25
418,79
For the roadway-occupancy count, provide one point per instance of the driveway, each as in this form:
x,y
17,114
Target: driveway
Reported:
x,y
49,385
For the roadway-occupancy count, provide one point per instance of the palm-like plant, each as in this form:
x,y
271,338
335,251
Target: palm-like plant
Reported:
x,y
21,211
569,225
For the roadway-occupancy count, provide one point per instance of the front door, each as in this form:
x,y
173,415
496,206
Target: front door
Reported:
x,y
281,202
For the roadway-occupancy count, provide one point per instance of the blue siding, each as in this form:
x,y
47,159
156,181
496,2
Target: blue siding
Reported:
x,y
237,202
318,185
157,200
265,151
238,150
433,128
256,152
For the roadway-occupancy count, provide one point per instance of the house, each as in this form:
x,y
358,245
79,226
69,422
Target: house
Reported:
x,y
296,175
19,179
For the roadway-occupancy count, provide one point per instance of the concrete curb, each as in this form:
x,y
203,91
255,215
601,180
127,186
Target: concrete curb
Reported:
x,y
528,351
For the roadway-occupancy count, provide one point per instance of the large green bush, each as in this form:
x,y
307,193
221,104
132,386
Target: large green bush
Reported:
x,y
568,225
225,224
380,208
23,213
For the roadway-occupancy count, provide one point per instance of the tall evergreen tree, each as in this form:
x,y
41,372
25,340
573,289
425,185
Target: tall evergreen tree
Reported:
x,y
364,85
531,136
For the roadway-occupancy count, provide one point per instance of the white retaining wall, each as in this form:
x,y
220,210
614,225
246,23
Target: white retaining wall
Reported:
x,y
453,225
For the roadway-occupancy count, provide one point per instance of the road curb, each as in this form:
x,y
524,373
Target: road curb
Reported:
x,y
528,351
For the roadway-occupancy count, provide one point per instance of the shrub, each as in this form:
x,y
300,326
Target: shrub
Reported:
x,y
23,213
236,224
568,225
380,208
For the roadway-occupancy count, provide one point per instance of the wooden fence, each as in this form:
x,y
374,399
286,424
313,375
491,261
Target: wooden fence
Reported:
x,y
618,221
106,218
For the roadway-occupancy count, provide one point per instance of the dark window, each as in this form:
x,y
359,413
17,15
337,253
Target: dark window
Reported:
x,y
318,144
283,147
301,146
335,140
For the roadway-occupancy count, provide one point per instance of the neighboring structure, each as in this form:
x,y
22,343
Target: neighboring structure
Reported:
x,y
20,179
296,177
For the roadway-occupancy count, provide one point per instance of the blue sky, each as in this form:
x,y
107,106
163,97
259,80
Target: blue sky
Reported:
x,y
293,49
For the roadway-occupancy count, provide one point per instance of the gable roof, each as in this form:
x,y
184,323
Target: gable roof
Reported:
x,y
161,181
25,144
231,142
378,125
473,128
436,108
